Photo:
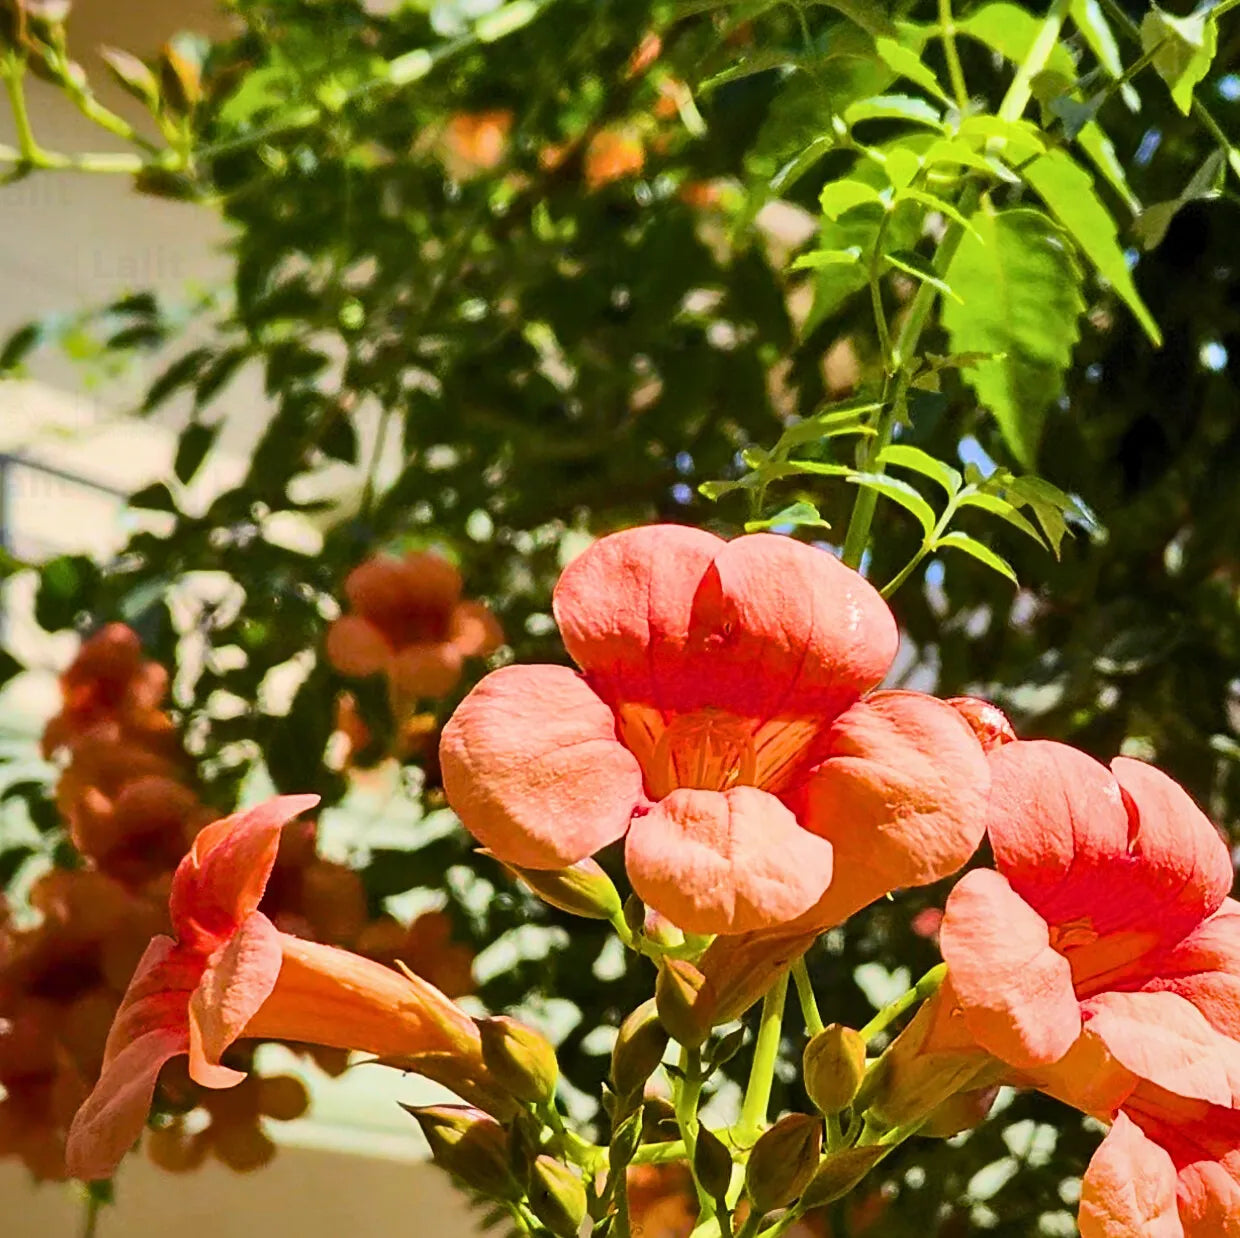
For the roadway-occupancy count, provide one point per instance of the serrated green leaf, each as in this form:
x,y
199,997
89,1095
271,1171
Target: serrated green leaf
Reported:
x,y
840,197
801,514
1021,298
1049,505
970,546
1017,139
1005,510
898,492
1068,190
894,107
907,63
920,269
935,204
1101,151
900,164
954,151
1183,49
901,455
827,258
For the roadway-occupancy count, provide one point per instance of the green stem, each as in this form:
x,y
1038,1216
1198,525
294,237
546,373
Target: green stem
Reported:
x,y
752,1223
14,71
947,33
866,502
919,992
835,1133
90,1216
688,1094
660,1153
927,546
1021,89
805,994
762,1072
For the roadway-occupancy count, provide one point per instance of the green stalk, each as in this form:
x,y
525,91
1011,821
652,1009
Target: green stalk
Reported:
x,y
919,992
1021,89
805,993
762,1072
947,33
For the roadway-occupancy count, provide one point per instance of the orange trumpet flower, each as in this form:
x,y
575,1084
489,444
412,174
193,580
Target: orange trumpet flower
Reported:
x,y
230,973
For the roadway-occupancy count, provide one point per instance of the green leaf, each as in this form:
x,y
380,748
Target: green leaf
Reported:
x,y
893,107
899,492
827,258
1049,505
132,74
20,345
902,456
183,371
839,197
1101,151
1011,30
920,269
1018,140
1021,298
192,447
853,418
1002,508
962,541
954,151
935,204
1088,18
1068,190
800,514
1153,222
907,63
1183,49
871,15
155,497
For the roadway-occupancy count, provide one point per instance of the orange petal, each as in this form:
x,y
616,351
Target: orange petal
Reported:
x,y
474,630
1016,991
725,861
1129,1189
532,766
220,883
1164,1039
356,647
237,981
901,798
426,670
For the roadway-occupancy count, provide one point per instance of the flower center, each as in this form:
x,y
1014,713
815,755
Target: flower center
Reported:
x,y
1073,934
707,750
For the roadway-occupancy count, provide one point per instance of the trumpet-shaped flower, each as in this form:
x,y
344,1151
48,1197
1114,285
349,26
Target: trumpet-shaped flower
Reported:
x,y
229,973
724,725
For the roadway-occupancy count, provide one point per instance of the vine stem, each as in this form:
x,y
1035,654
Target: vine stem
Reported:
x,y
1021,89
947,33
805,993
927,985
762,1072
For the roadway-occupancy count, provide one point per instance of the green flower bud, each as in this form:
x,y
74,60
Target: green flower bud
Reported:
x,y
834,1065
838,1174
683,1002
659,1120
637,1052
582,889
557,1197
518,1059
712,1163
470,1145
783,1160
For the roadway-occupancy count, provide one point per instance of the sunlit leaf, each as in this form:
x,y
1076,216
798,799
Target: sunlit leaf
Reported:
x,y
920,269
898,492
1089,19
907,63
839,197
1011,30
1069,191
983,554
827,258
1020,301
1005,510
894,107
801,515
900,455
1183,50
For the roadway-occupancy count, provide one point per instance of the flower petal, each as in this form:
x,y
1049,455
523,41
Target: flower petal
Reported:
x,y
356,647
1167,1041
222,879
1121,852
901,797
234,985
1129,1189
474,630
532,767
426,669
151,1026
1016,991
1209,1200
760,627
1204,968
725,861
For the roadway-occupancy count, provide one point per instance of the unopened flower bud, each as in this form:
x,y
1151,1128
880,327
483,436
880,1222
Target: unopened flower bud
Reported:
x,y
988,722
658,929
834,1064
961,1112
582,889
519,1059
659,1120
783,1161
838,1174
638,1051
557,1197
470,1145
712,1163
683,1002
